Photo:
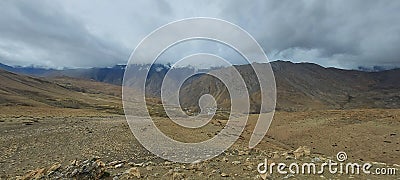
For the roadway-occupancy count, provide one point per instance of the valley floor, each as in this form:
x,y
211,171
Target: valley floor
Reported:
x,y
42,140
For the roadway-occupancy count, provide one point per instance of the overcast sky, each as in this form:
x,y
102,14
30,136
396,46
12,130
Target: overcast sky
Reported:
x,y
74,33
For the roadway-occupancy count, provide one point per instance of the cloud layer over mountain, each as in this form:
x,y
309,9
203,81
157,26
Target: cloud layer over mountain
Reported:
x,y
344,34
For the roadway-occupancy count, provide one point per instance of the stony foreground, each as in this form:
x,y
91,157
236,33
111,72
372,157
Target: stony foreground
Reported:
x,y
230,165
103,147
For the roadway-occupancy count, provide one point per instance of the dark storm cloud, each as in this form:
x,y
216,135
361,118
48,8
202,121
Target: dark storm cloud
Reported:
x,y
331,33
42,33
75,33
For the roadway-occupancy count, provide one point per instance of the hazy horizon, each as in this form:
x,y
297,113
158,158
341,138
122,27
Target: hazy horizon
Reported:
x,y
359,68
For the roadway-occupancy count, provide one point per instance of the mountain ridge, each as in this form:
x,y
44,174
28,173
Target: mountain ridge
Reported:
x,y
300,86
45,72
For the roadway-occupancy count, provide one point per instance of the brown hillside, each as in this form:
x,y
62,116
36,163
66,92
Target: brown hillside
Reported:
x,y
306,86
29,92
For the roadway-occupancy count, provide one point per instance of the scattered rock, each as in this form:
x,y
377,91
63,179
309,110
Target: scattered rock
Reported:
x,y
53,168
137,164
242,153
316,160
178,176
289,157
301,151
89,169
249,167
149,168
288,176
118,165
169,173
265,176
224,175
379,163
275,155
36,174
132,172
74,162
148,163
195,167
113,163
236,162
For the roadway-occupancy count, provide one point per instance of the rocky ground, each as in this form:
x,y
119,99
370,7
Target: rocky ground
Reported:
x,y
102,146
233,164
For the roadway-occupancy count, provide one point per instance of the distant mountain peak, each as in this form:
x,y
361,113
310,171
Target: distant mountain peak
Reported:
x,y
375,68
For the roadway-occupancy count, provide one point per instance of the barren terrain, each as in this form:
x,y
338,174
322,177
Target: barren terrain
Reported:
x,y
29,143
72,128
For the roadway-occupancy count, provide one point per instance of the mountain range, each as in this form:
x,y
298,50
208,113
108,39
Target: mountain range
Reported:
x,y
300,86
307,86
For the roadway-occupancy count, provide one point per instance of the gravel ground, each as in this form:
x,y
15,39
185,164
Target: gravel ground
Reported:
x,y
104,147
